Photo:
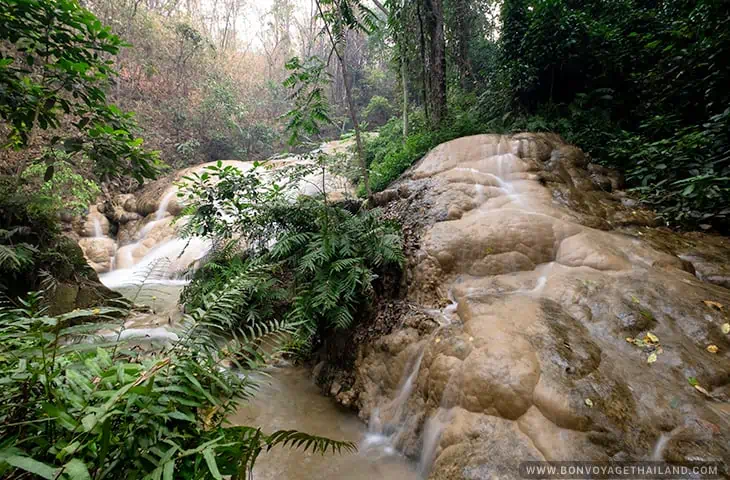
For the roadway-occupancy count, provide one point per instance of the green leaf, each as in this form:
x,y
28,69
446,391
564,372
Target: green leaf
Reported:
x,y
62,417
210,461
29,465
76,470
168,471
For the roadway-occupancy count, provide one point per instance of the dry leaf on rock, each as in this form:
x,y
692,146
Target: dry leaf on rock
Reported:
x,y
703,391
712,304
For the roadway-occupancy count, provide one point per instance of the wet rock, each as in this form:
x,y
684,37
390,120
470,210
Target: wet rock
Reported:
x,y
99,252
551,268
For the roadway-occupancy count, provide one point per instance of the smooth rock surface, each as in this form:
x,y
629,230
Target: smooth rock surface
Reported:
x,y
551,270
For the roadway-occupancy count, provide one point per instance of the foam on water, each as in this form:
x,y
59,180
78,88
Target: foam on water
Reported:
x,y
177,253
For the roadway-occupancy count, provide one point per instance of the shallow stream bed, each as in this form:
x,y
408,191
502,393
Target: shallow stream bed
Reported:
x,y
288,399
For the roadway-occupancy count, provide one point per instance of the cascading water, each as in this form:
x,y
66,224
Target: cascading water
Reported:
x,y
496,181
165,204
98,230
386,422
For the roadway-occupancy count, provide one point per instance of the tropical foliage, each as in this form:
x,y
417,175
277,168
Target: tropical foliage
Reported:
x,y
79,403
637,84
308,260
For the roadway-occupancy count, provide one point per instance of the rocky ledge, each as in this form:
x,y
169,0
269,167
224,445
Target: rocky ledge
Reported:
x,y
544,316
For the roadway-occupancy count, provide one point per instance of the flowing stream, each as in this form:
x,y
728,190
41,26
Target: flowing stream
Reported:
x,y
146,270
289,399
536,300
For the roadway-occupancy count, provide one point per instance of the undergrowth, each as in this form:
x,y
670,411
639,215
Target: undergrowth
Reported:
x,y
78,403
309,261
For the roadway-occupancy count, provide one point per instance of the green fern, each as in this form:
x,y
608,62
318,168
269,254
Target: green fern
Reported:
x,y
126,415
16,258
253,442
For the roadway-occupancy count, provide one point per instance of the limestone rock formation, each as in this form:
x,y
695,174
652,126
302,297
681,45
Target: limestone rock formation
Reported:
x,y
124,230
548,319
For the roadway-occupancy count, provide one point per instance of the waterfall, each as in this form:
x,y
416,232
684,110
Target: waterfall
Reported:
x,y
164,203
98,230
385,431
435,426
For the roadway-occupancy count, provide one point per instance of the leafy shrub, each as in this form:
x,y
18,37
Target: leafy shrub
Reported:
x,y
322,256
378,110
334,264
73,410
57,186
259,299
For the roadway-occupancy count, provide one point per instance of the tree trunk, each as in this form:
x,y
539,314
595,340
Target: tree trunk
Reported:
x,y
404,81
463,26
347,80
404,70
424,77
435,16
353,118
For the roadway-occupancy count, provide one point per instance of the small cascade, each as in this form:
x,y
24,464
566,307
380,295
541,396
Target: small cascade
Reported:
x,y
98,230
657,453
388,423
541,281
446,315
179,253
385,429
435,426
164,204
147,229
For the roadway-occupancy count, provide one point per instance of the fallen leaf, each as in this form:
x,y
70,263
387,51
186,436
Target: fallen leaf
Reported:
x,y
725,328
629,339
589,402
712,304
702,390
652,358
652,338
712,348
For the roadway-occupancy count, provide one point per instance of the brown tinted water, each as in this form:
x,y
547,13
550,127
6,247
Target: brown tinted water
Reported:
x,y
289,399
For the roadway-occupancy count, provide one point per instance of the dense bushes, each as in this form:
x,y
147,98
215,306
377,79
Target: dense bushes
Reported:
x,y
311,262
76,405
642,86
